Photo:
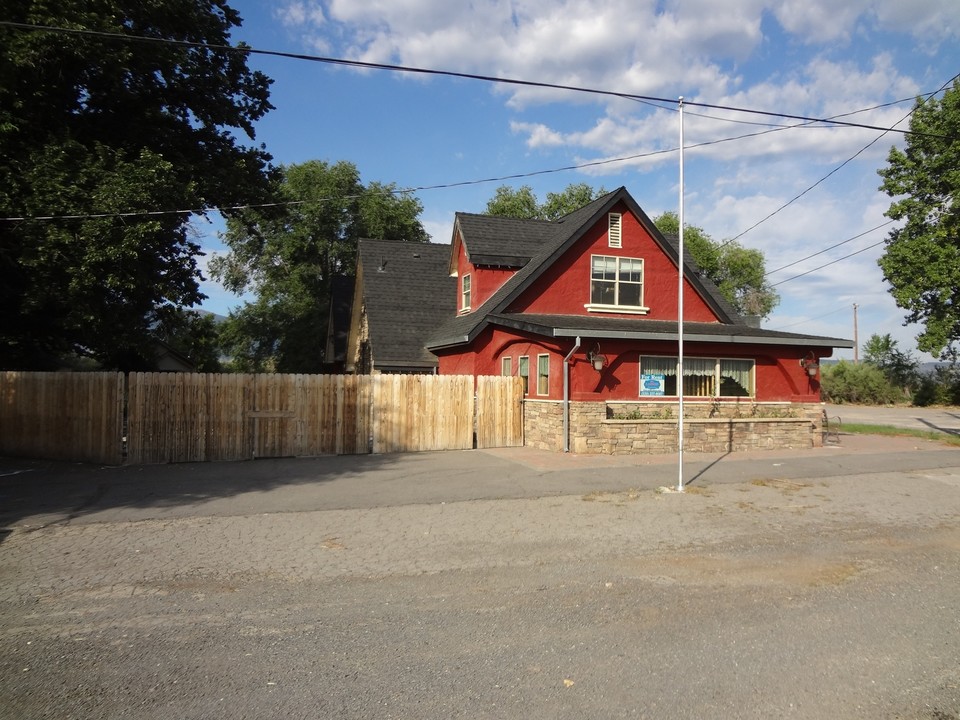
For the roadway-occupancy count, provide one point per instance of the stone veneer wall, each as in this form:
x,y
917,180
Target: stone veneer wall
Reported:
x,y
595,427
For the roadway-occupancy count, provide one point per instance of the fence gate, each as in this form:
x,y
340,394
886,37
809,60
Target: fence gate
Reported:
x,y
273,416
499,411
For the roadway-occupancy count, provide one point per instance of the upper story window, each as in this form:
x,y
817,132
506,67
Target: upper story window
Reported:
x,y
616,284
465,292
614,239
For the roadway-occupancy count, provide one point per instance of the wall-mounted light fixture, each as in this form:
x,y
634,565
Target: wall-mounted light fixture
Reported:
x,y
810,364
598,361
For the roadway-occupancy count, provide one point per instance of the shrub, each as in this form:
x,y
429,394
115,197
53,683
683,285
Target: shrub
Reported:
x,y
941,387
857,383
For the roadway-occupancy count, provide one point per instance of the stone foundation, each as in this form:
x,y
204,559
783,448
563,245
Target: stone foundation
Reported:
x,y
617,428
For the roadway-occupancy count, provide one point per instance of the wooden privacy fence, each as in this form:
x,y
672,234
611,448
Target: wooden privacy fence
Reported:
x,y
186,417
62,416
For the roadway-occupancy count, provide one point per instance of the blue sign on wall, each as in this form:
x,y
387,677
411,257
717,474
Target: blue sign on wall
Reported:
x,y
652,384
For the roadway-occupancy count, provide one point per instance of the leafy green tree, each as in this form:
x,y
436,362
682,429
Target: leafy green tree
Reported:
x,y
922,257
196,336
942,386
97,132
522,203
901,368
571,198
288,257
738,272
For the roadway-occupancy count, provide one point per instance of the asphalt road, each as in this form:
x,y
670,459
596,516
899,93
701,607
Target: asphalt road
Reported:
x,y
501,584
938,419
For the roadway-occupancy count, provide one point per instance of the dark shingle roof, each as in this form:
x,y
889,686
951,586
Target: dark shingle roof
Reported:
x,y
642,329
407,293
503,241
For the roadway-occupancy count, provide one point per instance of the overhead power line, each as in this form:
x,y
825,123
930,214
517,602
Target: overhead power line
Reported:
x,y
832,262
818,317
828,249
850,159
444,73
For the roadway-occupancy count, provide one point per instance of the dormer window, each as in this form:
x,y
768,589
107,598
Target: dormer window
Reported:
x,y
614,239
465,293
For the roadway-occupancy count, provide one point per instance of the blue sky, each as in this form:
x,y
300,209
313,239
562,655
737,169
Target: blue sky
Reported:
x,y
813,58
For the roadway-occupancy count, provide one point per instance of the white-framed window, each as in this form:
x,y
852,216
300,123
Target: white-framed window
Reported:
x,y
703,377
523,370
465,284
616,283
506,366
543,374
614,237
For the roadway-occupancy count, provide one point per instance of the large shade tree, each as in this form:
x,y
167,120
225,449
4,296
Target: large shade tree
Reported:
x,y
922,256
286,257
523,203
738,272
101,138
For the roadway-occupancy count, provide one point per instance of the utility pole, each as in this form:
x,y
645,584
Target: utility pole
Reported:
x,y
856,338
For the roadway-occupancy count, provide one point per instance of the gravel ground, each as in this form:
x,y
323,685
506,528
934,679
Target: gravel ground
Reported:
x,y
832,596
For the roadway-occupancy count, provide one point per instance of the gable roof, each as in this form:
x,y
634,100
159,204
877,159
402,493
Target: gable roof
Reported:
x,y
565,232
501,241
407,294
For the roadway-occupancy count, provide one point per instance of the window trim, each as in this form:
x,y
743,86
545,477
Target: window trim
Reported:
x,y
466,292
640,309
506,366
751,392
544,376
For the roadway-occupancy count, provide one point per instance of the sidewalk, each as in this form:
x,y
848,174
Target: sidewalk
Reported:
x,y
38,493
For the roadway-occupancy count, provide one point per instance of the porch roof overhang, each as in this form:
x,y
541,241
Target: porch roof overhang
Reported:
x,y
564,326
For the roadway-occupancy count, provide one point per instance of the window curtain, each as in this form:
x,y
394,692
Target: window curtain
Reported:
x,y
736,377
699,377
660,366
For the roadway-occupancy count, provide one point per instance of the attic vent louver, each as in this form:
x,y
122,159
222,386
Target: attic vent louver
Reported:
x,y
613,230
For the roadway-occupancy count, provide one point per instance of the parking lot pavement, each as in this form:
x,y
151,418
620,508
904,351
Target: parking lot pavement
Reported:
x,y
772,594
36,494
937,419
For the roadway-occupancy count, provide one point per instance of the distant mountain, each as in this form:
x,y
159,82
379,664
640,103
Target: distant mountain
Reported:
x,y
216,318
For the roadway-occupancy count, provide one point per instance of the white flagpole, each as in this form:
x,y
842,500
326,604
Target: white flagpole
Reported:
x,y
680,323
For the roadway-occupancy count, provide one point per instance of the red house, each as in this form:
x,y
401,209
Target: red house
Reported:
x,y
586,310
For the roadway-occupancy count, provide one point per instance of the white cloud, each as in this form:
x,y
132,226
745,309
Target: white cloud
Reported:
x,y
814,58
301,13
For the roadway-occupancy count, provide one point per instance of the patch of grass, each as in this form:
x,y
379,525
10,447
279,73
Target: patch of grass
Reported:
x,y
862,429
607,496
785,485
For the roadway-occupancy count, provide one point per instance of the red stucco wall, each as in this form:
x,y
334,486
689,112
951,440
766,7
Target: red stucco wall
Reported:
x,y
779,375
484,281
564,288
